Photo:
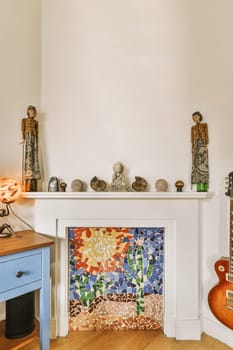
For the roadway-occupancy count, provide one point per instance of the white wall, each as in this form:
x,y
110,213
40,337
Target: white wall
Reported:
x,y
115,87
212,82
20,62
120,81
20,72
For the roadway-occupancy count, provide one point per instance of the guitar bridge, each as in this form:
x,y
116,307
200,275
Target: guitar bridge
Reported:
x,y
229,307
229,299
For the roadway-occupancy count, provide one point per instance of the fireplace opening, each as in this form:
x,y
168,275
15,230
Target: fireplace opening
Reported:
x,y
116,278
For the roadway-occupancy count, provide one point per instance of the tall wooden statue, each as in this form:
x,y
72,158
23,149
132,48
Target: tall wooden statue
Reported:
x,y
200,166
31,169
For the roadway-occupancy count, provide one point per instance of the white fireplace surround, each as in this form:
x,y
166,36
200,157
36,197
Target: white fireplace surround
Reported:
x,y
178,213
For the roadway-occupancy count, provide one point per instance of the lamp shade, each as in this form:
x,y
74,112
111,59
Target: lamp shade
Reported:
x,y
10,190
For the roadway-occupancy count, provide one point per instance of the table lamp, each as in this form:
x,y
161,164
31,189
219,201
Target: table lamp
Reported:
x,y
10,190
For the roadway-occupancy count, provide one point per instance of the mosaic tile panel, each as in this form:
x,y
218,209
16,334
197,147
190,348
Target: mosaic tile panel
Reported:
x,y
116,278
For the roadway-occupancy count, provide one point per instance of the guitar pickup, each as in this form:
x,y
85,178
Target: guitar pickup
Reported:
x,y
229,277
229,295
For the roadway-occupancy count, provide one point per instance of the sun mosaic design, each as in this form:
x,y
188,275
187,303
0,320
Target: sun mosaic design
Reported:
x,y
116,278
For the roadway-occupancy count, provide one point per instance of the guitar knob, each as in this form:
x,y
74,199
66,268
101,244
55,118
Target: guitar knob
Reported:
x,y
221,268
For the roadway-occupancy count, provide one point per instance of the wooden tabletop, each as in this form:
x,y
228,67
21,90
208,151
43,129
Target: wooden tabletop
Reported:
x,y
25,240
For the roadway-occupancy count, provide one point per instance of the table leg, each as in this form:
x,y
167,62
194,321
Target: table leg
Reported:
x,y
45,300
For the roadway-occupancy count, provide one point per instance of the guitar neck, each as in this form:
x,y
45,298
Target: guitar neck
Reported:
x,y
231,237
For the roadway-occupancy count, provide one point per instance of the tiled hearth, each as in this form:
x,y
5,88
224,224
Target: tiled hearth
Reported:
x,y
178,213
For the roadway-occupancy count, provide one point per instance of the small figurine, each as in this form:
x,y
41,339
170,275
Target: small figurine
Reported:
x,y
179,185
63,186
97,184
53,185
161,185
119,181
140,184
77,185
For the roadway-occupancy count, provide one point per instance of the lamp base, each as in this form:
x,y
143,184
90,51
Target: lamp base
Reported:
x,y
5,235
9,231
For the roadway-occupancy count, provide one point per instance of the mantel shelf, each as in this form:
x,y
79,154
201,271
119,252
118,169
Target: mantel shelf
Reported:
x,y
117,195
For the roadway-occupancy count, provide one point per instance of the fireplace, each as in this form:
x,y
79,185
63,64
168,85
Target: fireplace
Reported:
x,y
178,213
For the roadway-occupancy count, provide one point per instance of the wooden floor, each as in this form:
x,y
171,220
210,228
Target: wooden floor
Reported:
x,y
136,340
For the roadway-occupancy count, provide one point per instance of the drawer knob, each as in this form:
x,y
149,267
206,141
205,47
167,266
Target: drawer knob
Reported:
x,y
19,274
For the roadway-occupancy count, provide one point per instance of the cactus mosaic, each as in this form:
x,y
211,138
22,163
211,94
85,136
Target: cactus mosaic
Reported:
x,y
115,269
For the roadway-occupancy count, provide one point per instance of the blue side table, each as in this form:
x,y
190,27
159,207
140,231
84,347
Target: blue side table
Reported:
x,y
25,267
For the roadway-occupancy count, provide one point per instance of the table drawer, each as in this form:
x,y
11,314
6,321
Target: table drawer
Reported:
x,y
17,272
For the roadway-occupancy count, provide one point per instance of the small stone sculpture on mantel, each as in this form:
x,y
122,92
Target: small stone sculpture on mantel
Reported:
x,y
63,186
53,185
139,184
77,185
119,180
179,185
97,184
161,185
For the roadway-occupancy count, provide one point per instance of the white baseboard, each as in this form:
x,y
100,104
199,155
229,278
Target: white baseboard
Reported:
x,y
188,329
63,327
53,331
218,331
183,329
2,311
170,327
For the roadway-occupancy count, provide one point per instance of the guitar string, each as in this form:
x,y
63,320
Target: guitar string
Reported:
x,y
231,247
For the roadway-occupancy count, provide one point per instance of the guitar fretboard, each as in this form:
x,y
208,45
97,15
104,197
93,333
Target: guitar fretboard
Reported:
x,y
231,237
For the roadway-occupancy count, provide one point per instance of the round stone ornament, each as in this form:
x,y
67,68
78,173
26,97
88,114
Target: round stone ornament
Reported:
x,y
161,185
77,185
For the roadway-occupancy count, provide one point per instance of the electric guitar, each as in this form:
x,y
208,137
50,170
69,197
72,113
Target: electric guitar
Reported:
x,y
220,297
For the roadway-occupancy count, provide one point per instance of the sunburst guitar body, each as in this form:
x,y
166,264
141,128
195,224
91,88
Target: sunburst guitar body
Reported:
x,y
220,297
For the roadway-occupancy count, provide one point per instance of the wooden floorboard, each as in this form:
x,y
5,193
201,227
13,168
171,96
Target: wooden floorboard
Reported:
x,y
18,343
128,340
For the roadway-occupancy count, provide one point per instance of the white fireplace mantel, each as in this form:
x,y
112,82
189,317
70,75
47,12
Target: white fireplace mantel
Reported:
x,y
117,195
180,213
